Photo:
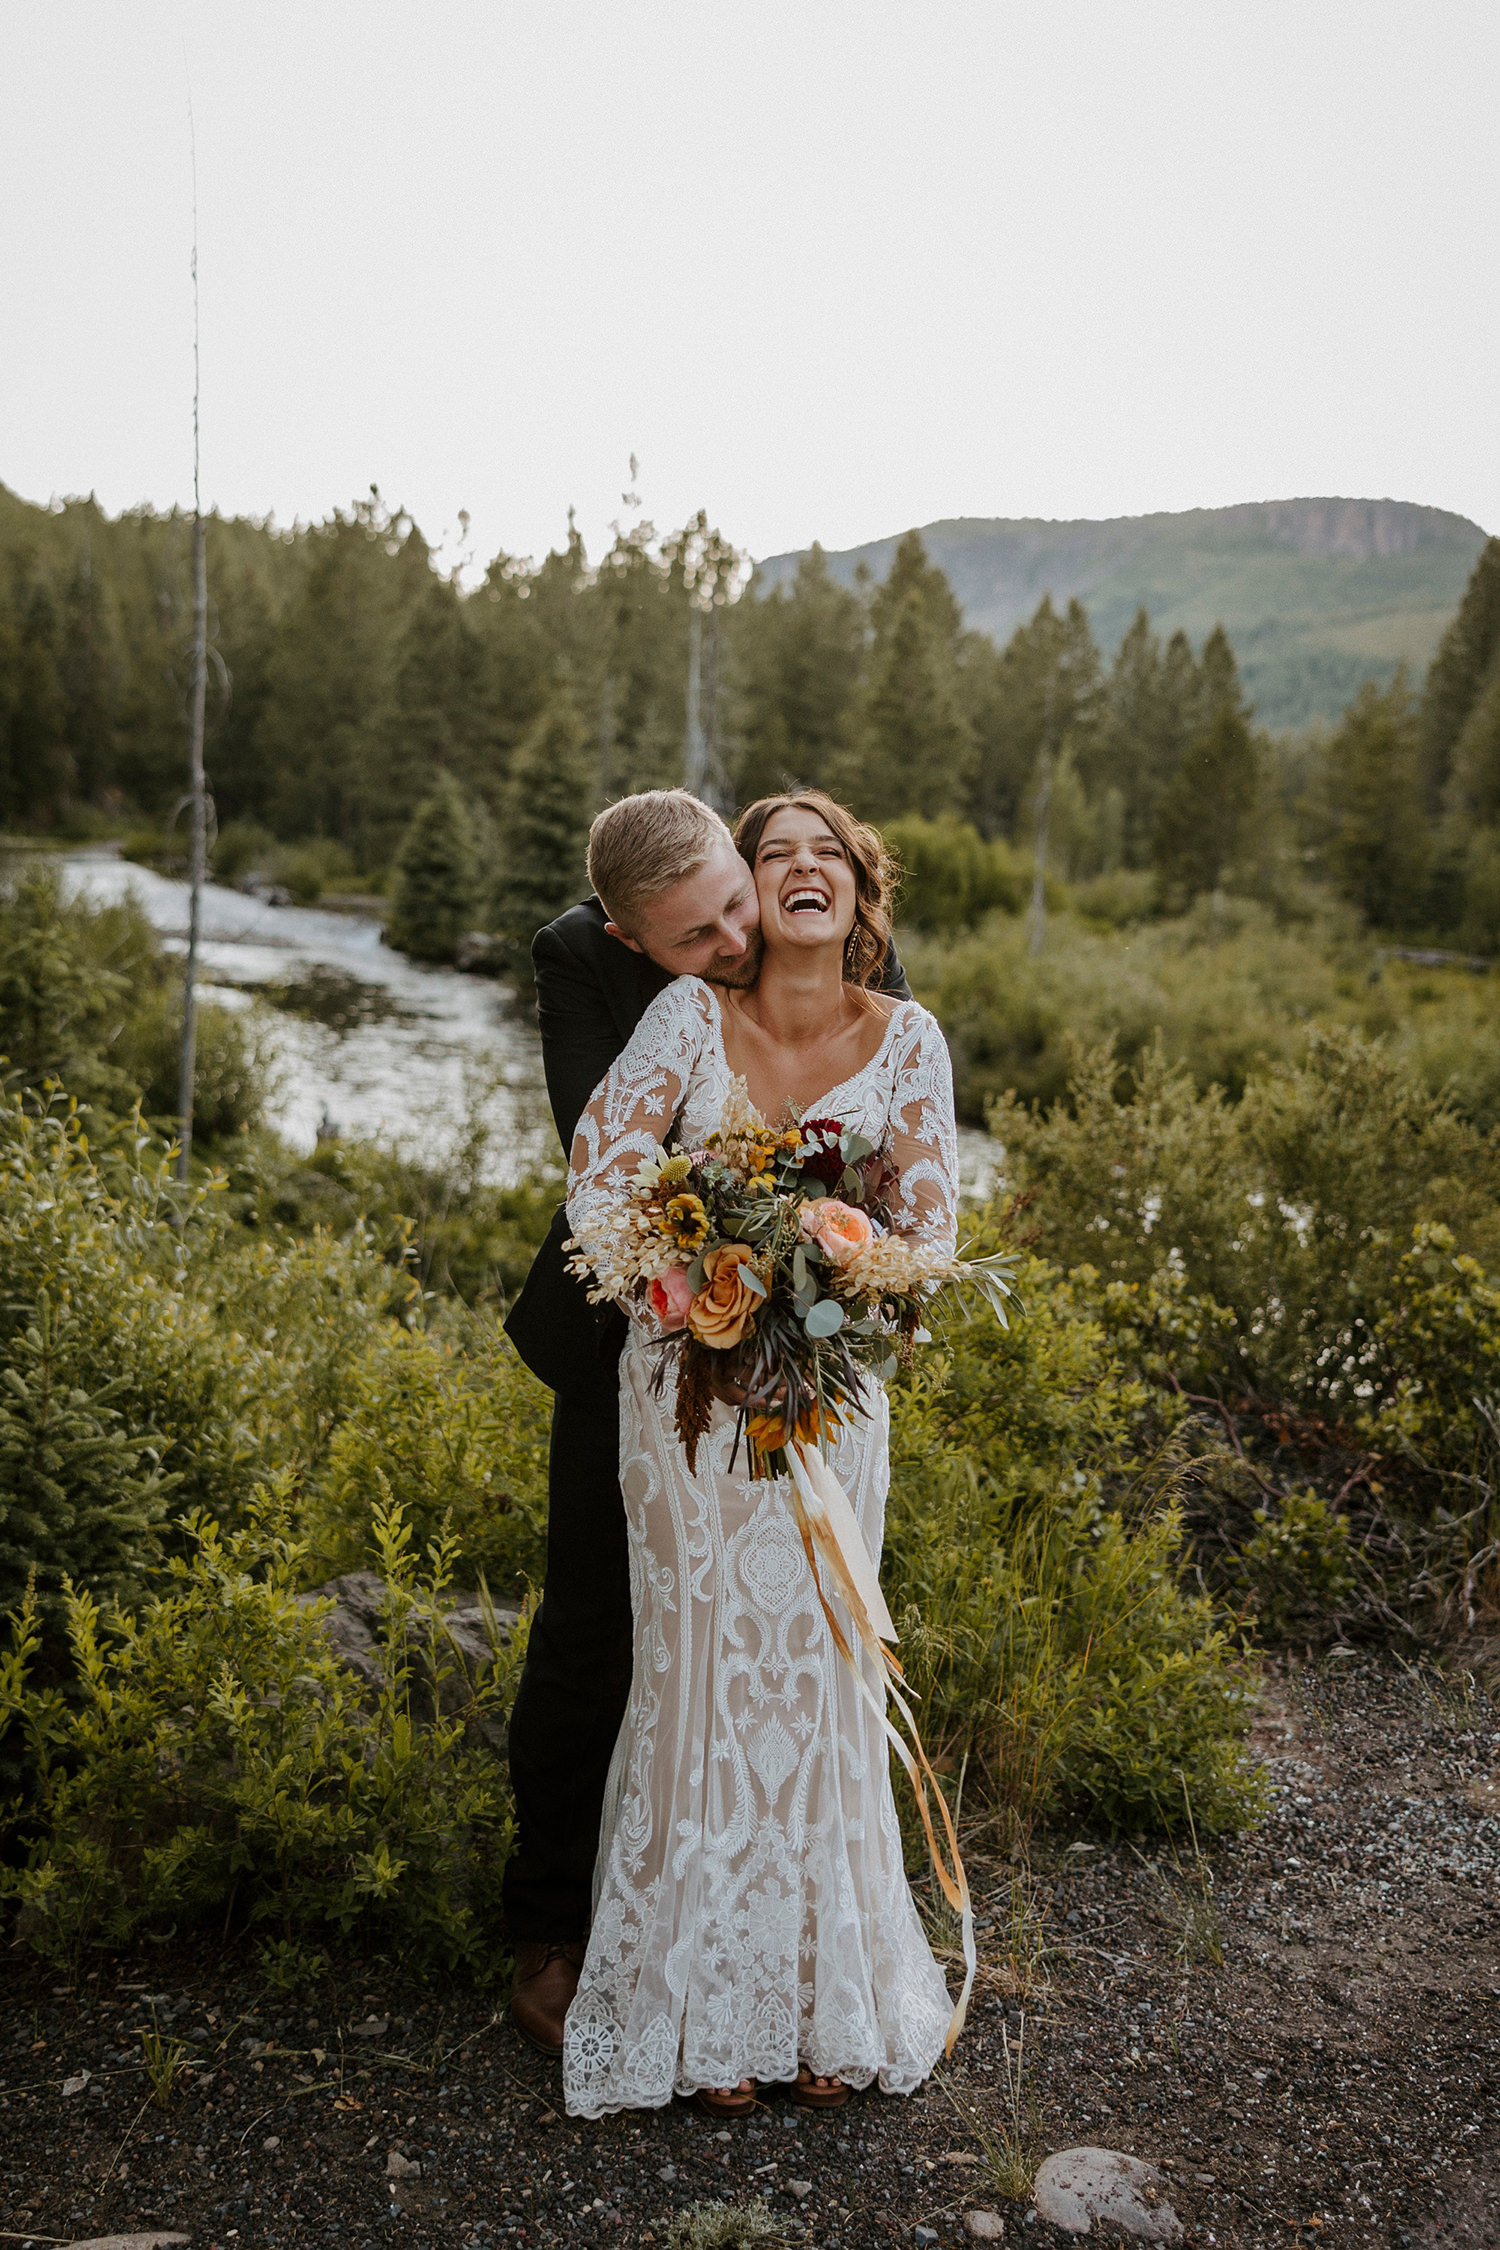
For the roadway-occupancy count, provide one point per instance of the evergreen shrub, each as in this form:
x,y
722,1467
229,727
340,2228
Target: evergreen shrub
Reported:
x,y
435,879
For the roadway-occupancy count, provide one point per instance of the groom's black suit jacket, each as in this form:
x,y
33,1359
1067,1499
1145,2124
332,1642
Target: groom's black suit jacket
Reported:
x,y
591,992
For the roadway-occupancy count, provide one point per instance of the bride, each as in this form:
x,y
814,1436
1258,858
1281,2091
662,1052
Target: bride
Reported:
x,y
752,1919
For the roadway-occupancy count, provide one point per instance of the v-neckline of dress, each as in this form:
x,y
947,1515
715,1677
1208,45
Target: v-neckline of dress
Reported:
x,y
814,1107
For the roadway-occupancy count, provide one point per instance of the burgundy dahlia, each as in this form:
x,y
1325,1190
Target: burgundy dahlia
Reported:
x,y
824,1164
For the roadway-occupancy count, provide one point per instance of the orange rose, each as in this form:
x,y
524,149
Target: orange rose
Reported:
x,y
725,1306
839,1230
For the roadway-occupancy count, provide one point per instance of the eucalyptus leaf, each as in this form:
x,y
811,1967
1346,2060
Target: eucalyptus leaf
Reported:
x,y
799,1269
851,1183
826,1317
695,1274
855,1148
752,1280
813,1191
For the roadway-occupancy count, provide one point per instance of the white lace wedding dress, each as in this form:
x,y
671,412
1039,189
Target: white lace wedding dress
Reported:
x,y
751,1910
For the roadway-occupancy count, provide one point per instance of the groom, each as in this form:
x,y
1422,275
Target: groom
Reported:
x,y
672,898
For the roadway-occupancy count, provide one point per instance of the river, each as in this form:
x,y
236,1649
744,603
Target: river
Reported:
x,y
366,1042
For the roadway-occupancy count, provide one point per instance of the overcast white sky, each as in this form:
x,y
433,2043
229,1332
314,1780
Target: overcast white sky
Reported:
x,y
828,267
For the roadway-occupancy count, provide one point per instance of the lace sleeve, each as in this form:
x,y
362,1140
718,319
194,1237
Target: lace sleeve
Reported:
x,y
924,1134
635,1103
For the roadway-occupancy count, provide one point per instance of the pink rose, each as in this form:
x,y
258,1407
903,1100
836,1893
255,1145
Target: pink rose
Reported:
x,y
670,1298
839,1230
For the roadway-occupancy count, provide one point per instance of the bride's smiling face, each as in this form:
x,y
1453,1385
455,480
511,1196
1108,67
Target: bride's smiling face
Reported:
x,y
804,882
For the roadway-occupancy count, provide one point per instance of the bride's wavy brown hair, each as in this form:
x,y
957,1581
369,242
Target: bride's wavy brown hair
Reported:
x,y
875,872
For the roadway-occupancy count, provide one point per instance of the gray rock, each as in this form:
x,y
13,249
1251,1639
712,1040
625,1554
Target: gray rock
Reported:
x,y
352,1627
399,2167
985,2226
1081,2185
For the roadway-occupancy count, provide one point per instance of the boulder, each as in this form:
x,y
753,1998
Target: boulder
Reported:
x,y
1081,2185
352,1627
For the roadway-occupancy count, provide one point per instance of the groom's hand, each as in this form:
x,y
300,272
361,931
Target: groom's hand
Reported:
x,y
723,1384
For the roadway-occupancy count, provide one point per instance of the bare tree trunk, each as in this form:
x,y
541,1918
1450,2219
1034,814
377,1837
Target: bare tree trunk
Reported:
x,y
696,761
188,1061
1037,919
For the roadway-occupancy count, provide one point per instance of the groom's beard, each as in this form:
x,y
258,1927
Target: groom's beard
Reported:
x,y
739,970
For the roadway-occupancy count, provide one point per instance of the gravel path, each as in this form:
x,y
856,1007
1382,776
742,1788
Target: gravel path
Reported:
x,y
1304,2033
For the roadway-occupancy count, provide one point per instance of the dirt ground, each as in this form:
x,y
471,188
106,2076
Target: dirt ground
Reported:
x,y
1303,2031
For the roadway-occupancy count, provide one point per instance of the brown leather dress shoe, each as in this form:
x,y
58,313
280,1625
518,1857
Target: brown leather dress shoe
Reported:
x,y
542,1990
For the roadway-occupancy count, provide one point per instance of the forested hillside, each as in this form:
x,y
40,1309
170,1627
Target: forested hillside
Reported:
x,y
1318,596
356,688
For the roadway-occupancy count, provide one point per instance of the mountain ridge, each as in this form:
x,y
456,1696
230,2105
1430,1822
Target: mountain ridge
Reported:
x,y
1317,593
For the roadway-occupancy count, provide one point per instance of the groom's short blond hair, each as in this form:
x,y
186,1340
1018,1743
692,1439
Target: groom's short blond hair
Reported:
x,y
641,846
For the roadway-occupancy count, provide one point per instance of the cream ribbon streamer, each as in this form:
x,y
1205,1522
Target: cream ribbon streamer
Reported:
x,y
828,1527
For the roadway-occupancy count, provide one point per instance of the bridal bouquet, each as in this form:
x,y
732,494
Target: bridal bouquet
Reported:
x,y
774,1259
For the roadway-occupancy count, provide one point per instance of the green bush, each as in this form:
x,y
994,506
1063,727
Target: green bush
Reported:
x,y
437,1217
225,1351
452,1438
1124,896
1223,993
1298,1562
1035,1562
89,998
242,847
209,1753
951,876
1286,1212
1436,1400
309,869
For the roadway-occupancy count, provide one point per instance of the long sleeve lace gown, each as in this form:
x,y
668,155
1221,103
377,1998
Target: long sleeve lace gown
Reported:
x,y
751,1910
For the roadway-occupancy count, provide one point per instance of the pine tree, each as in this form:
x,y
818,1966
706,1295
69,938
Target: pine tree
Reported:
x,y
1372,789
912,576
1140,736
1041,691
436,890
1466,666
915,753
798,654
75,1498
544,825
1203,823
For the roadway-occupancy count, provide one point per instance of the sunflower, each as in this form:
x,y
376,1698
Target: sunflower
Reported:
x,y
686,1221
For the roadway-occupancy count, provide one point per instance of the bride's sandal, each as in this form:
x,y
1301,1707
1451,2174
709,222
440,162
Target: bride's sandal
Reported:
x,y
808,2094
726,2101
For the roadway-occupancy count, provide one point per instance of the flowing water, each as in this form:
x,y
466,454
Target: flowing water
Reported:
x,y
365,1041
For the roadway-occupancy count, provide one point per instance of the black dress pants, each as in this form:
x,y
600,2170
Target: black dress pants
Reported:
x,y
575,1682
